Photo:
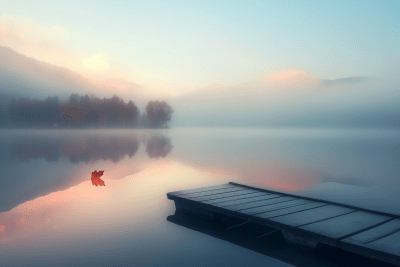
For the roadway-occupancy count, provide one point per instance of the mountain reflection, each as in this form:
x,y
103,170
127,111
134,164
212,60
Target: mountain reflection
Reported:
x,y
87,148
158,147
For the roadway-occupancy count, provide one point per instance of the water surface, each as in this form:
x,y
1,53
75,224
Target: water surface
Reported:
x,y
51,214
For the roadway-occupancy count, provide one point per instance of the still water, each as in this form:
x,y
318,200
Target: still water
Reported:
x,y
52,215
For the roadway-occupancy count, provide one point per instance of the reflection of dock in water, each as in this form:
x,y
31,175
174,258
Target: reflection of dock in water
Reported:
x,y
266,218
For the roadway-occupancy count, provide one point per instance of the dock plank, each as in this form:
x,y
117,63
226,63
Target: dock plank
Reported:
x,y
243,201
233,198
345,225
312,215
276,206
223,195
389,244
273,199
202,189
375,233
291,210
213,192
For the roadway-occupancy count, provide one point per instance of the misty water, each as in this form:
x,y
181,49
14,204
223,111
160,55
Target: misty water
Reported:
x,y
51,214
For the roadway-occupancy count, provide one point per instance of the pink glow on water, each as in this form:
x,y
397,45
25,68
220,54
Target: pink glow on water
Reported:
x,y
69,215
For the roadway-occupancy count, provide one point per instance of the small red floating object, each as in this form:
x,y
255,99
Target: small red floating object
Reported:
x,y
96,178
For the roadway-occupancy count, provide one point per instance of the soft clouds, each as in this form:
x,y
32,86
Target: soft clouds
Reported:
x,y
43,43
49,44
20,31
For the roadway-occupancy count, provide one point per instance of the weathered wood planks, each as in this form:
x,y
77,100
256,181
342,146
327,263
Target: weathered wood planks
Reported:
x,y
204,189
302,220
311,215
390,244
292,210
347,224
281,205
375,233
246,201
269,199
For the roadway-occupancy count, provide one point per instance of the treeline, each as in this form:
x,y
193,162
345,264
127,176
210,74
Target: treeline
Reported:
x,y
103,147
85,111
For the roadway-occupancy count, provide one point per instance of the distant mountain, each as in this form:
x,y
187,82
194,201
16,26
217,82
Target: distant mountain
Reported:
x,y
293,99
285,83
24,76
347,81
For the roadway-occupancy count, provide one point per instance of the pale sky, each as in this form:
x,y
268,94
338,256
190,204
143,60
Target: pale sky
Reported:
x,y
179,46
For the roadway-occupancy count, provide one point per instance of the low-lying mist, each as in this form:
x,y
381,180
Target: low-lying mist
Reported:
x,y
358,102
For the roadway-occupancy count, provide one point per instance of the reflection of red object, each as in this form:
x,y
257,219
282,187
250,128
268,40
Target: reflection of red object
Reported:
x,y
96,178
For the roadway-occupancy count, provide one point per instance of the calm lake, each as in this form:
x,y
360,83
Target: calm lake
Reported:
x,y
52,215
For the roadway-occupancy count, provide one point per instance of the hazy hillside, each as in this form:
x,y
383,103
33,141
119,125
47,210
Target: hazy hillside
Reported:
x,y
24,76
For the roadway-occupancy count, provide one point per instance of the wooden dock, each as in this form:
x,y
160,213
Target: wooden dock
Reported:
x,y
303,221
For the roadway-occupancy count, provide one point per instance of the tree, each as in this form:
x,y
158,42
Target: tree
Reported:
x,y
132,113
73,113
34,112
74,98
158,114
